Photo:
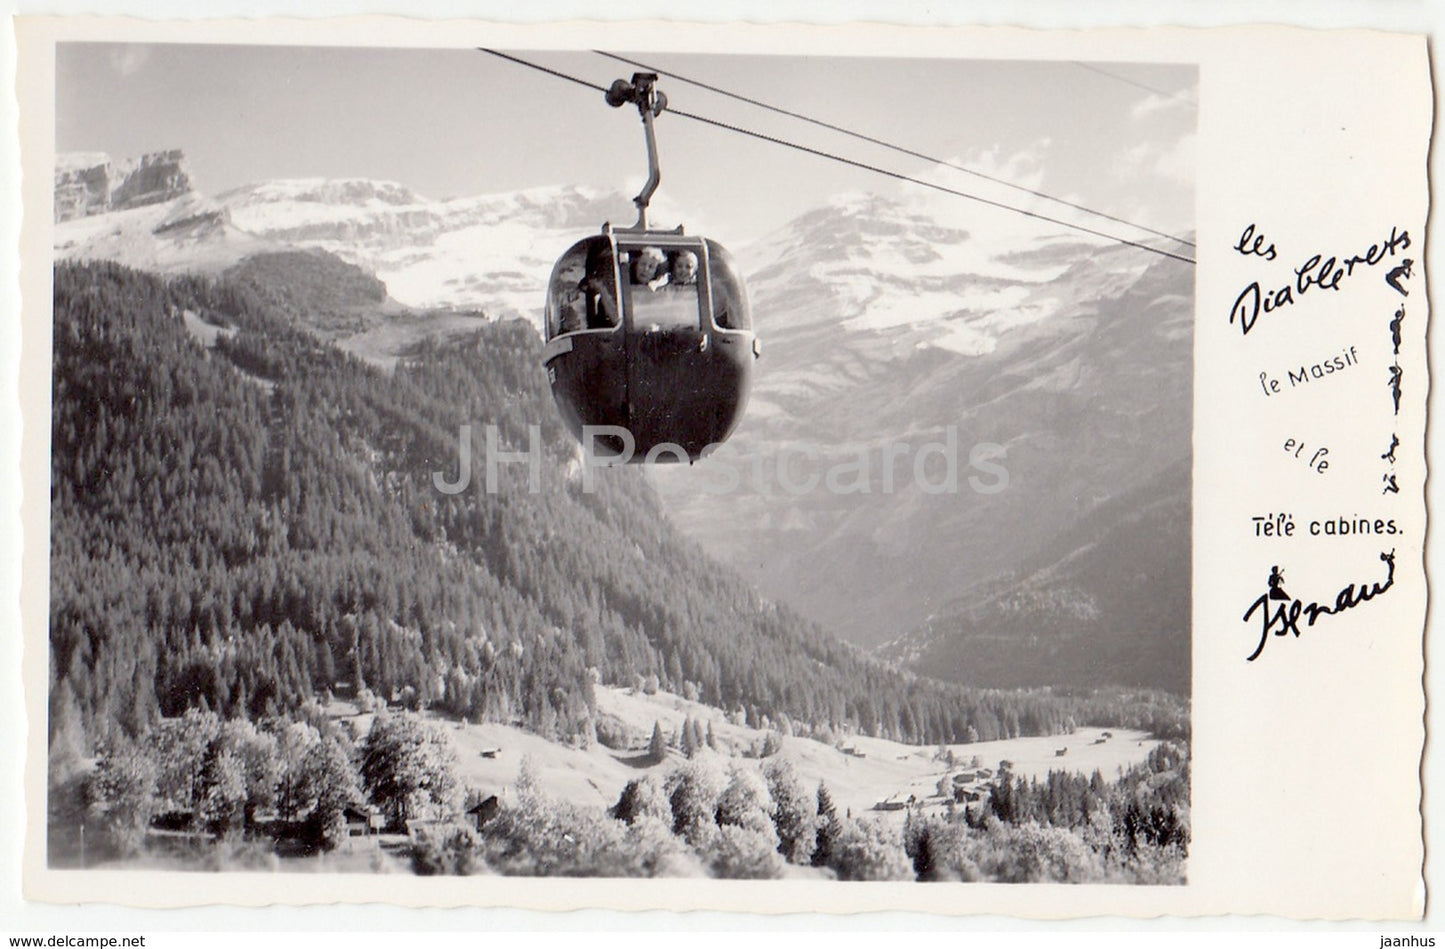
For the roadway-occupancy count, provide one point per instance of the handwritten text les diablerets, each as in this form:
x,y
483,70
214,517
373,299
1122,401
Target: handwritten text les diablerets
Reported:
x,y
1325,273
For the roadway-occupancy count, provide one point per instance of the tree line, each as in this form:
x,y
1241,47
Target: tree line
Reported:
x,y
292,783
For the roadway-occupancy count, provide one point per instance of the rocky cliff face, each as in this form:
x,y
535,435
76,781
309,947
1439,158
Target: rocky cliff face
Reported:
x,y
91,183
82,185
150,179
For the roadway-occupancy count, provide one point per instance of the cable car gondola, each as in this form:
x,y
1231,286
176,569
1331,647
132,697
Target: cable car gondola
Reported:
x,y
650,346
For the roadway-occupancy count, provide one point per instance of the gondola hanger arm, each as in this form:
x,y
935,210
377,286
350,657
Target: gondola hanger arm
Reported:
x,y
650,101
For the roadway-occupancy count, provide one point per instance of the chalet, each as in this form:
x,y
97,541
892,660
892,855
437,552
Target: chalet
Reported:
x,y
362,820
489,752
889,806
483,811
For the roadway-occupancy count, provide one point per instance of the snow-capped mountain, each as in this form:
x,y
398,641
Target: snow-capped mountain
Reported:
x,y
1054,371
188,233
886,330
490,252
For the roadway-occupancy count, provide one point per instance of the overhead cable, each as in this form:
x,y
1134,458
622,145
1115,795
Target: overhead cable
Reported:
x,y
899,148
900,176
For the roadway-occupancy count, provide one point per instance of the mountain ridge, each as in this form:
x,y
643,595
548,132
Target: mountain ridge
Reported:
x,y
426,251
883,324
1074,360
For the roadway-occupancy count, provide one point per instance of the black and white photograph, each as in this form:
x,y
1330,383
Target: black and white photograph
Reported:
x,y
537,463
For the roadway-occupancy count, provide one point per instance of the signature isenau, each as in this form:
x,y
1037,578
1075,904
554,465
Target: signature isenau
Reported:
x,y
1280,613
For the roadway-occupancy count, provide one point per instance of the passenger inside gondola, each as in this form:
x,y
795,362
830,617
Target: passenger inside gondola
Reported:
x,y
649,269
567,309
684,269
583,291
599,289
658,300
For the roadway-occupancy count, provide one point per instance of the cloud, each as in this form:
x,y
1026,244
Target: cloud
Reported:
x,y
1156,105
128,59
997,228
1024,167
1172,161
991,166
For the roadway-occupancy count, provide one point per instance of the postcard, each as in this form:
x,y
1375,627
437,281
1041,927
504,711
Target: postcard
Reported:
x,y
758,468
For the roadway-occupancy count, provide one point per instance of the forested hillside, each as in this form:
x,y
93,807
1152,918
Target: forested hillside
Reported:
x,y
244,527
1088,607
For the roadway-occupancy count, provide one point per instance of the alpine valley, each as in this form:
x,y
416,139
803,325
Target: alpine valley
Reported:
x,y
1050,378
935,625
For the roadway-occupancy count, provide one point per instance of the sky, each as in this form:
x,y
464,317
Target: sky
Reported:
x,y
449,123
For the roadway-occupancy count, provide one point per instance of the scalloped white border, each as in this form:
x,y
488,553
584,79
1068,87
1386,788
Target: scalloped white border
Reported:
x,y
1289,57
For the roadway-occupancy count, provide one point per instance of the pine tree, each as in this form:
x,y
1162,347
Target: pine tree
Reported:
x,y
657,745
829,827
795,811
689,747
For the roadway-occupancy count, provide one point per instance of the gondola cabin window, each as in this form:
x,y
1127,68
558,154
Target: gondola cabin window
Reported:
x,y
583,290
662,295
729,299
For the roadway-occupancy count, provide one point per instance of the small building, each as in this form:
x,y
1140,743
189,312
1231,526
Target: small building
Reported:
x,y
483,811
489,752
889,806
362,820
